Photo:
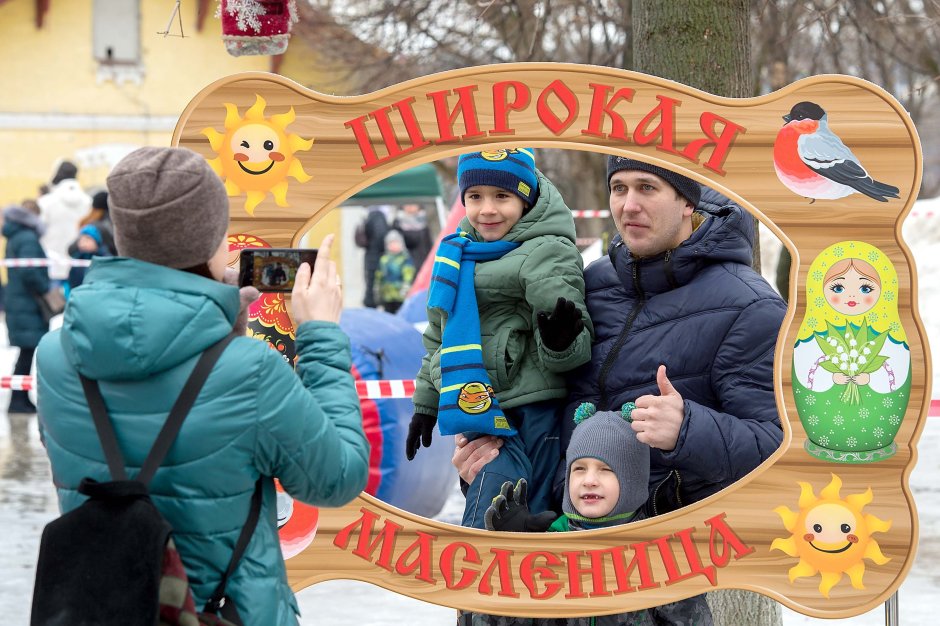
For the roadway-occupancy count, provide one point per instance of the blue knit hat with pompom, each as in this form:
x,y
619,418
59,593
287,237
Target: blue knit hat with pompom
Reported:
x,y
512,169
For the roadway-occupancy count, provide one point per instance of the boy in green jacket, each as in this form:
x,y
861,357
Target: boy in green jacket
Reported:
x,y
607,472
506,317
395,274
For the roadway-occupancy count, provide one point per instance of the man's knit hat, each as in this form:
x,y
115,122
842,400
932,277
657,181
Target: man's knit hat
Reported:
x,y
512,169
687,188
168,207
608,437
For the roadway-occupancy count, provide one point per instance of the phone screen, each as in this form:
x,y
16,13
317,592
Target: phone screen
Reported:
x,y
273,269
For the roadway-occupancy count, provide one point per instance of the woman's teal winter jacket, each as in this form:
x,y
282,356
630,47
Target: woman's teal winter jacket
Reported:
x,y
138,329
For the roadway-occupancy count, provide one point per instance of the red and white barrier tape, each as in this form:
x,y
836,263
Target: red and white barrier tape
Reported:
x,y
375,389
605,213
16,383
585,241
591,214
367,389
43,262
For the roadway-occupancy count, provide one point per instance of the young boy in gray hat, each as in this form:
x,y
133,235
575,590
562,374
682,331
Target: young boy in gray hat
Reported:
x,y
607,472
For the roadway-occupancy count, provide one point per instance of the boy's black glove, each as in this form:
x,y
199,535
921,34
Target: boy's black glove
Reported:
x,y
419,429
560,327
510,511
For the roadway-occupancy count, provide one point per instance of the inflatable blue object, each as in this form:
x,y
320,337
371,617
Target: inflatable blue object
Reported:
x,y
415,307
387,347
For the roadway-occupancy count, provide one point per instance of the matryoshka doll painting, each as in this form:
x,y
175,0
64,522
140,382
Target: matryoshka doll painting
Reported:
x,y
851,361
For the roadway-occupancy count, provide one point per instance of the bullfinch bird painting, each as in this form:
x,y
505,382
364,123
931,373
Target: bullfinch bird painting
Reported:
x,y
813,162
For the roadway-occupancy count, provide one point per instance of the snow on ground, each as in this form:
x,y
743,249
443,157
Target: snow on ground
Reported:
x,y
27,500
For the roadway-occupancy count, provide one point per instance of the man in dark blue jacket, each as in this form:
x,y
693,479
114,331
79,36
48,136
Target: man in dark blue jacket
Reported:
x,y
685,329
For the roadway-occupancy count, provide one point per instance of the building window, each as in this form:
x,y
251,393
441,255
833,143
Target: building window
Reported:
x,y
116,32
116,41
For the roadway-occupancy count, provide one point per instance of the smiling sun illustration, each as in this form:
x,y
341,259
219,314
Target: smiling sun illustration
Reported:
x,y
256,154
831,535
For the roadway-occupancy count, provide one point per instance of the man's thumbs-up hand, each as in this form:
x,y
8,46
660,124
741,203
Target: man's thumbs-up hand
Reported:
x,y
657,419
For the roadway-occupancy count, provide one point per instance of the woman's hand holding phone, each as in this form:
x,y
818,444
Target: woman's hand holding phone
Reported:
x,y
317,293
246,295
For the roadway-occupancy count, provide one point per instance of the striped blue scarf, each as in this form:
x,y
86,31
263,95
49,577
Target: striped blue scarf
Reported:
x,y
467,401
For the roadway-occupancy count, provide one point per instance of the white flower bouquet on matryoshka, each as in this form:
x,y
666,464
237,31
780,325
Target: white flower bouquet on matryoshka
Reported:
x,y
851,361
852,357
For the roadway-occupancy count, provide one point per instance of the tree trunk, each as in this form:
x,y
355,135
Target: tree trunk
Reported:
x,y
704,44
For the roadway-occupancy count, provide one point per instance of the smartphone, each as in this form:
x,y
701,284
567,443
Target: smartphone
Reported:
x,y
272,269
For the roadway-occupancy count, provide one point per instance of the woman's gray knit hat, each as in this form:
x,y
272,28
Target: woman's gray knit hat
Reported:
x,y
168,207
608,437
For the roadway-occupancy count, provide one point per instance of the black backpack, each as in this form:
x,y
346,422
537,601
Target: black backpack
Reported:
x,y
103,562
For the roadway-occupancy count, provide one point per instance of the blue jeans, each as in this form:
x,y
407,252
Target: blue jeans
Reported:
x,y
532,454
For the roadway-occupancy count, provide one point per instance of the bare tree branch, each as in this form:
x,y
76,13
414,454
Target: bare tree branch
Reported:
x,y
365,45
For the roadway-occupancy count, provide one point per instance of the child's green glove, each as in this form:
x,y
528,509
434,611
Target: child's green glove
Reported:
x,y
510,511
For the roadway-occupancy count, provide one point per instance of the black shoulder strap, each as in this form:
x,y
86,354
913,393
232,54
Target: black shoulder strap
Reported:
x,y
105,431
160,448
218,601
170,428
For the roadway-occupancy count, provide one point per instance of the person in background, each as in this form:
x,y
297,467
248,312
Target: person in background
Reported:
x,y
376,227
101,219
395,274
90,243
61,210
25,323
139,323
412,221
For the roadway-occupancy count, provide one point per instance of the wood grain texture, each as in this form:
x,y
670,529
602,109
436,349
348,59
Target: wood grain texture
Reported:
x,y
563,110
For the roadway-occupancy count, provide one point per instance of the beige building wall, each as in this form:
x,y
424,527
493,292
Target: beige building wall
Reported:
x,y
57,101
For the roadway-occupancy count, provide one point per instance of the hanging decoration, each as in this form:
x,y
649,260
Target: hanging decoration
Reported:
x,y
256,27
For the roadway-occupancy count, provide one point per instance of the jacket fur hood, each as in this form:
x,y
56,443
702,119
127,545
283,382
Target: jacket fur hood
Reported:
x,y
20,217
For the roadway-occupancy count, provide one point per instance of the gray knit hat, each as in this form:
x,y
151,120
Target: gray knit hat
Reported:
x,y
394,235
608,437
687,188
168,207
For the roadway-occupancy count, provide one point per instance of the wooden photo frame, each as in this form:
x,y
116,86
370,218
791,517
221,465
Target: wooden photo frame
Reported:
x,y
855,460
